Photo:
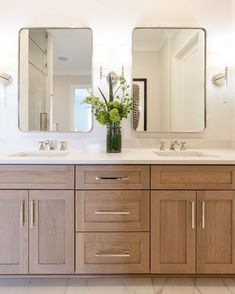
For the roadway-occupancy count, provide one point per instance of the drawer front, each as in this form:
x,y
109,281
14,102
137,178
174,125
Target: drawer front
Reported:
x,y
112,210
112,253
192,177
36,177
112,177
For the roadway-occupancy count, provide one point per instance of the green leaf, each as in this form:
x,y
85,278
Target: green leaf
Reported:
x,y
106,102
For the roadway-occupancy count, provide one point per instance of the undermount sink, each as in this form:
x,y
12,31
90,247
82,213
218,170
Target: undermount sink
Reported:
x,y
187,153
51,153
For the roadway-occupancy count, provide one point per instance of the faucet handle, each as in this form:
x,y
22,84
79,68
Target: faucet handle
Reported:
x,y
182,146
162,146
64,145
42,145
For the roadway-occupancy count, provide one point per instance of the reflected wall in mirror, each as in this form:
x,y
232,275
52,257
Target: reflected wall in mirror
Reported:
x,y
172,61
55,75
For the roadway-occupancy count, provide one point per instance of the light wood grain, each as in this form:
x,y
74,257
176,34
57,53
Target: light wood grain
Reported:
x,y
13,232
113,177
51,232
111,249
216,242
172,236
192,177
36,177
112,210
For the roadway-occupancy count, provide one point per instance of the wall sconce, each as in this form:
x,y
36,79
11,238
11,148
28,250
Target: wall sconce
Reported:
x,y
5,79
114,76
220,78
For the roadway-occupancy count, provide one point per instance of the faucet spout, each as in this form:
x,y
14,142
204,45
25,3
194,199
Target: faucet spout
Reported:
x,y
173,144
52,144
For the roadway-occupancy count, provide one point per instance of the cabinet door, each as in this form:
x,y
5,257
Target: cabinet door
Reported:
x,y
173,232
216,232
51,233
13,232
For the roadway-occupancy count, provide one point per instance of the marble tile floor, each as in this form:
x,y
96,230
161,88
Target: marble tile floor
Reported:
x,y
118,286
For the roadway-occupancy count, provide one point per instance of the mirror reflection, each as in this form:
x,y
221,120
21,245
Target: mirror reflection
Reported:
x,y
55,75
168,69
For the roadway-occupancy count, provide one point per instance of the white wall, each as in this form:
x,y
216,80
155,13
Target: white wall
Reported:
x,y
146,65
112,25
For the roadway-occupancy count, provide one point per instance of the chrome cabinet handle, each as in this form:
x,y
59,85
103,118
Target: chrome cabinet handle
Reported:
x,y
97,178
193,214
100,254
104,212
64,145
203,214
22,213
32,213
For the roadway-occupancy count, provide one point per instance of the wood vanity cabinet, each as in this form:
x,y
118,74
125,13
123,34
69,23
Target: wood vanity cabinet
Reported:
x,y
192,231
37,226
117,219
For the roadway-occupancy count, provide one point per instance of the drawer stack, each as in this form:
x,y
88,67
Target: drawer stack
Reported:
x,y
112,219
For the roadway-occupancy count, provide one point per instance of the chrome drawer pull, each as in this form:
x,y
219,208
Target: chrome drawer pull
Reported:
x,y
97,178
100,254
193,214
203,215
22,213
32,213
103,212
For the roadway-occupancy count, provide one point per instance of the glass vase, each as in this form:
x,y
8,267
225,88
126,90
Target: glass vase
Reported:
x,y
114,138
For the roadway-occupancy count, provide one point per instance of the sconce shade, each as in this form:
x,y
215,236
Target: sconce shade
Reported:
x,y
5,78
220,78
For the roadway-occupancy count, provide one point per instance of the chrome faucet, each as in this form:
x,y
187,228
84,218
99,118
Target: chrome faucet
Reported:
x,y
173,143
64,145
42,145
48,145
52,144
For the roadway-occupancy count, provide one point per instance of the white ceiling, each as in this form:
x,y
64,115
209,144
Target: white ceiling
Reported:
x,y
74,44
151,39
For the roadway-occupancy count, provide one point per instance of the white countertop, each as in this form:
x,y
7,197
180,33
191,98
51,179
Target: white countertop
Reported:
x,y
127,156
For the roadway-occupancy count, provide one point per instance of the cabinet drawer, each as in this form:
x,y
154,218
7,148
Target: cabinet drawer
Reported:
x,y
36,177
112,210
192,177
112,253
112,177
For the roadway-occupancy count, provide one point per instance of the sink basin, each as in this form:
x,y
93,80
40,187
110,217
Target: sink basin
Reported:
x,y
187,153
40,154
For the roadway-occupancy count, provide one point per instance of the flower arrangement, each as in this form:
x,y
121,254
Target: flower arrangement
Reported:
x,y
110,111
113,109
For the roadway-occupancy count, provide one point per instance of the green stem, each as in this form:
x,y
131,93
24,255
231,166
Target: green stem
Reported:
x,y
110,88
